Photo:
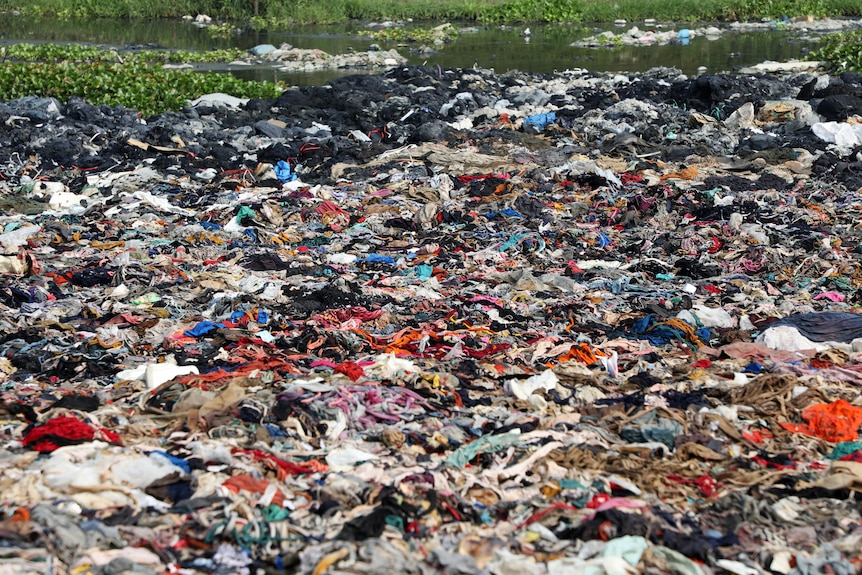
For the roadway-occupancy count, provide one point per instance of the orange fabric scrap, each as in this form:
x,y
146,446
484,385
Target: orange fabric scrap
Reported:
x,y
836,422
249,484
582,353
689,173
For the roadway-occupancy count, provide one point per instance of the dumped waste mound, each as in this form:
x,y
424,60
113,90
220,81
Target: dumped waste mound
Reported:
x,y
436,320
651,33
289,59
318,127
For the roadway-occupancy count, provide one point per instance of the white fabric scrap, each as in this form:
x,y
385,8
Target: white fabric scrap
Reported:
x,y
156,374
788,338
389,365
706,316
346,458
522,389
17,238
842,134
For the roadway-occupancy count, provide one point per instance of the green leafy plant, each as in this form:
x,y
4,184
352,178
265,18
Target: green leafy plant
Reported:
x,y
223,30
65,71
535,11
841,52
445,33
81,53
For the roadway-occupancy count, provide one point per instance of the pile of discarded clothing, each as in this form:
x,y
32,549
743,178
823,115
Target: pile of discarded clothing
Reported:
x,y
436,320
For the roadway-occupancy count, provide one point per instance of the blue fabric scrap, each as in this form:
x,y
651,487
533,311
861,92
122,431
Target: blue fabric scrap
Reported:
x,y
202,328
378,259
540,121
511,213
283,173
753,367
181,463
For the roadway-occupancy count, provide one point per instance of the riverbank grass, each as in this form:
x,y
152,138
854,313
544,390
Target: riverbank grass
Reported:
x,y
288,13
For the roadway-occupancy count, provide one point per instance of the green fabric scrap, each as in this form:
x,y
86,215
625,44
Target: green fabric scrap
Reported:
x,y
630,547
661,430
488,444
244,211
844,449
22,205
395,521
678,563
424,271
571,484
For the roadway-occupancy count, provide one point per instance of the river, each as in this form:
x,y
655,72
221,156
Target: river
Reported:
x,y
546,49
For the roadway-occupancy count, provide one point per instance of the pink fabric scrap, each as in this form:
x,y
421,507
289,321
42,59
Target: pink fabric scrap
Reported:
x,y
831,296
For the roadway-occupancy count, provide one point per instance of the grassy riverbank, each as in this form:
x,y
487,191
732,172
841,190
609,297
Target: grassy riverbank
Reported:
x,y
286,13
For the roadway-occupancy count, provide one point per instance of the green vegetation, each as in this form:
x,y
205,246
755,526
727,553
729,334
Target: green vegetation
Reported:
x,y
284,13
128,79
223,30
444,33
82,53
841,52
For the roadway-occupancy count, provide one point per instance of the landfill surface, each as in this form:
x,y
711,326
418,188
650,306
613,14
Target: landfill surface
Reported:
x,y
437,321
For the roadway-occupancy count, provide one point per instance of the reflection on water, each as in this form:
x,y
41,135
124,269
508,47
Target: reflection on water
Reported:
x,y
547,48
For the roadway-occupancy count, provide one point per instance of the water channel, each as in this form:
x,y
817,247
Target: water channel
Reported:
x,y
546,49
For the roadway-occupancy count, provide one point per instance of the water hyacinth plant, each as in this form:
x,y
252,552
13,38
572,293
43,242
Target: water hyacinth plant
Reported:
x,y
119,79
841,52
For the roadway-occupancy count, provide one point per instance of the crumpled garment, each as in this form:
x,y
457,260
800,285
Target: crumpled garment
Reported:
x,y
837,421
283,172
65,430
827,557
825,325
842,134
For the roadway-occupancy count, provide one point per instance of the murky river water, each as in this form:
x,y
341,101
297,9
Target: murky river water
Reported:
x,y
547,48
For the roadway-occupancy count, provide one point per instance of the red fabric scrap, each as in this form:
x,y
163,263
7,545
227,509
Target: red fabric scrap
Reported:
x,y
467,178
65,430
285,466
490,350
771,464
630,178
328,208
249,484
708,486
597,501
351,369
537,516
